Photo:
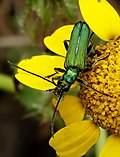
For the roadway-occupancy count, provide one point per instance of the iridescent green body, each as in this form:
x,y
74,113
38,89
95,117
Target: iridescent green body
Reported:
x,y
75,61
77,50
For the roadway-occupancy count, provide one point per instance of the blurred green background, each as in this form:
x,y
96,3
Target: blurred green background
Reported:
x,y
25,113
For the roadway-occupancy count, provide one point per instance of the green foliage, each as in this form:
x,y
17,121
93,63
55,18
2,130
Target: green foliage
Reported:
x,y
32,99
46,9
37,103
40,15
101,141
6,83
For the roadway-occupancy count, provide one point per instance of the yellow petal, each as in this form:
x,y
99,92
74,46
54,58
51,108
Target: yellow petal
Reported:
x,y
101,17
55,42
76,139
112,147
42,65
70,109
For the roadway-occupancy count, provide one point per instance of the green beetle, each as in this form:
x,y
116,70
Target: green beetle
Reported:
x,y
75,63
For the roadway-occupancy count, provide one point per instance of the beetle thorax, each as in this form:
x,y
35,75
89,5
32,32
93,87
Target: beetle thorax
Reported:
x,y
70,75
64,84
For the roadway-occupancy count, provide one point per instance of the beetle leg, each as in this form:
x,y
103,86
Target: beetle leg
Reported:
x,y
89,49
94,64
56,78
91,44
66,44
57,70
49,90
48,76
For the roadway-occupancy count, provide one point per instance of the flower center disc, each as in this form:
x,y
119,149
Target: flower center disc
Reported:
x,y
105,77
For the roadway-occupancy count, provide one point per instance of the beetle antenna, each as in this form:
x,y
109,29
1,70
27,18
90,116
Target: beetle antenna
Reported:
x,y
53,116
31,72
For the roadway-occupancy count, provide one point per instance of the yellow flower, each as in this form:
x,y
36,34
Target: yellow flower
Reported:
x,y
79,135
101,18
44,65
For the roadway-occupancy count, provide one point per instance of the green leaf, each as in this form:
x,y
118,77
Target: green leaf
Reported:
x,y
33,100
6,83
101,141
